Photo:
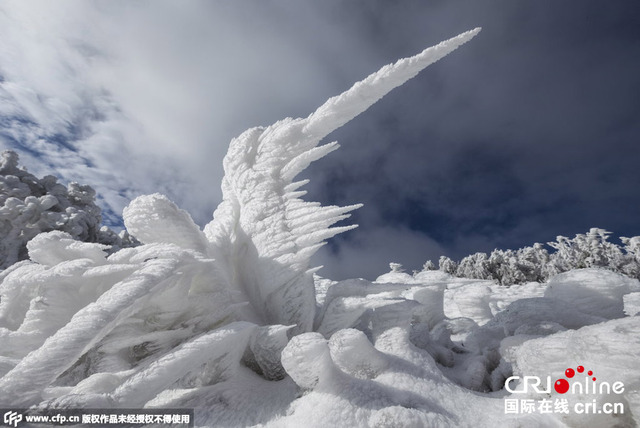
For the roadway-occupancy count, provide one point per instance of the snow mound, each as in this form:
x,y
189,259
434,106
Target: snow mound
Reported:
x,y
609,349
50,249
594,291
155,219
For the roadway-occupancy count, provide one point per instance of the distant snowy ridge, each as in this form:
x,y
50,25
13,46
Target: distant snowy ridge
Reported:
x,y
230,321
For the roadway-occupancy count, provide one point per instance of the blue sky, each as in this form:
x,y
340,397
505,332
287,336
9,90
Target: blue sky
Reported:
x,y
528,132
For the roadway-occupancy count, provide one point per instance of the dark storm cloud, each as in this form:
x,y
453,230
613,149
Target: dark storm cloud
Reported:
x,y
529,132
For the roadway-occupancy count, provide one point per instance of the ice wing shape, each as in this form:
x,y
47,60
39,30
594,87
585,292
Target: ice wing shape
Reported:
x,y
263,234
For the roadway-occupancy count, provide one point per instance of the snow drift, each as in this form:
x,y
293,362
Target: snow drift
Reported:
x,y
232,322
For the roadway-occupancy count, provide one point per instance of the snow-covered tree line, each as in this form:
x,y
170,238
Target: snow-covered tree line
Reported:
x,y
537,264
29,206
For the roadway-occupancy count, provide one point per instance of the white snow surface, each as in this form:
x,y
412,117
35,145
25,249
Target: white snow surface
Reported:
x,y
232,322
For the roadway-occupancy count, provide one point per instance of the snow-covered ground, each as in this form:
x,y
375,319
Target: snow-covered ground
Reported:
x,y
232,321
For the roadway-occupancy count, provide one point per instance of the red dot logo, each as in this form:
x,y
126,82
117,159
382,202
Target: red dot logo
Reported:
x,y
561,386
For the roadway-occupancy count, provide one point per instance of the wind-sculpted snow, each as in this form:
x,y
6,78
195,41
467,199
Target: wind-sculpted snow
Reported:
x,y
231,320
610,349
112,317
263,232
155,219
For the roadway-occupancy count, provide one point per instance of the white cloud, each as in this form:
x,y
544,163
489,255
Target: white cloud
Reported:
x,y
150,93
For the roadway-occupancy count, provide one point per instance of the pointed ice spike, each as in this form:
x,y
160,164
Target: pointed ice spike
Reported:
x,y
295,195
319,224
321,235
303,160
295,185
320,214
339,110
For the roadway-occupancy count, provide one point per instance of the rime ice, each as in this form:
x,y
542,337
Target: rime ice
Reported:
x,y
232,321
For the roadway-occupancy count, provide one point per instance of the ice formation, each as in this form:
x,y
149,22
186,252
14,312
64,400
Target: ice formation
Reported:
x,y
29,206
232,322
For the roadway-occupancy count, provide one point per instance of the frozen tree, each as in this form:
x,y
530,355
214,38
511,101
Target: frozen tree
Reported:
x,y
532,262
445,264
30,206
602,253
515,267
631,264
474,266
503,266
395,267
428,265
586,250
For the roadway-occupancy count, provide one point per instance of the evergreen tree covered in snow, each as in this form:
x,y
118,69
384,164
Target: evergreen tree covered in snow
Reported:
x,y
445,264
428,265
474,266
29,206
631,264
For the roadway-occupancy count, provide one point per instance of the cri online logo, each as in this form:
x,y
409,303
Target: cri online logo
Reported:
x,y
562,386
